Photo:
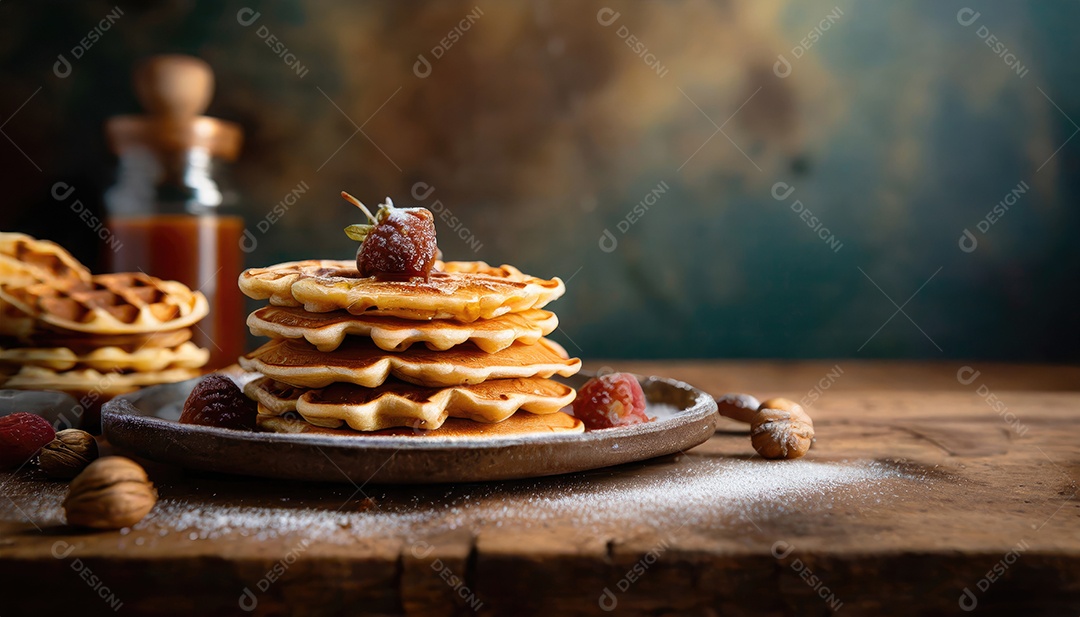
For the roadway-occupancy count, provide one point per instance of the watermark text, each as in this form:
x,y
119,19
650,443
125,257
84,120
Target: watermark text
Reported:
x,y
608,242
62,66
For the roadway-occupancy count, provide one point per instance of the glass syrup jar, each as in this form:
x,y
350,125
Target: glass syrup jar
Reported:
x,y
171,208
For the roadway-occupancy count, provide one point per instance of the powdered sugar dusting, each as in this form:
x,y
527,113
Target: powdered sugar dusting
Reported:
x,y
710,492
40,502
662,411
696,491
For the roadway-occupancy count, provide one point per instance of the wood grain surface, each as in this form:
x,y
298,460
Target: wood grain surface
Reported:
x,y
923,494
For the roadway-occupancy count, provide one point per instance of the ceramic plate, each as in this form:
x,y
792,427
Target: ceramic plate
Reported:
x,y
145,423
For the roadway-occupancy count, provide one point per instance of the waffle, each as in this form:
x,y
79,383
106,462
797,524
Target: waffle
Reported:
x,y
89,380
81,343
360,362
65,329
397,403
25,260
521,424
327,331
461,290
187,355
14,322
125,303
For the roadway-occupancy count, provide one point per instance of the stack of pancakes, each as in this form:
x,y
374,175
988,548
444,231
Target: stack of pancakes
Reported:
x,y
460,353
63,328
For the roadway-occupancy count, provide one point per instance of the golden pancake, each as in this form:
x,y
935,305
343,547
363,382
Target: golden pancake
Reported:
x,y
461,290
107,359
518,425
397,403
326,331
360,362
274,398
124,303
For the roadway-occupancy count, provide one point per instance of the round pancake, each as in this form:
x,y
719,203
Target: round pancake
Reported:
x,y
360,362
397,403
274,398
518,425
326,331
461,290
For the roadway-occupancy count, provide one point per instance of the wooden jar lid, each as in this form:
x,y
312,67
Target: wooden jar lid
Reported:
x,y
176,91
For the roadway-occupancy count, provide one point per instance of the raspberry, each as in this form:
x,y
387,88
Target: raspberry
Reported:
x,y
216,401
610,400
399,245
21,436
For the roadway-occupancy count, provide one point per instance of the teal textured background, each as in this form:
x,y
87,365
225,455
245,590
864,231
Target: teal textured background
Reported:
x,y
539,128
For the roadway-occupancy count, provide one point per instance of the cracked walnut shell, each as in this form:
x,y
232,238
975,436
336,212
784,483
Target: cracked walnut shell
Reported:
x,y
781,429
739,407
111,493
68,454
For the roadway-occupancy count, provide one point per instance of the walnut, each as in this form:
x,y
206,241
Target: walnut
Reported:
x,y
111,493
741,407
68,454
781,429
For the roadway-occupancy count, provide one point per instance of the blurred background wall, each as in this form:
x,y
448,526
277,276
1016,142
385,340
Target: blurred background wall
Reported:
x,y
775,178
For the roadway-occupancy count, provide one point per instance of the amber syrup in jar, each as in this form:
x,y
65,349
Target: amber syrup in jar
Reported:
x,y
171,209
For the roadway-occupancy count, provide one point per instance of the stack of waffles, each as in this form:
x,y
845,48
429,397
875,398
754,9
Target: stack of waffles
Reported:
x,y
462,352
63,328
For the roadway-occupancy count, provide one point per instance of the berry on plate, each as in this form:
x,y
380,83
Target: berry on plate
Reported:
x,y
610,400
217,401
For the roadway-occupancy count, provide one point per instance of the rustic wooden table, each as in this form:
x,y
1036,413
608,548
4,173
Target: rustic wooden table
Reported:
x,y
932,489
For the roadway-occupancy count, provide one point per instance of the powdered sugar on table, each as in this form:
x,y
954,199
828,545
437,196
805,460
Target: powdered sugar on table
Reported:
x,y
710,492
